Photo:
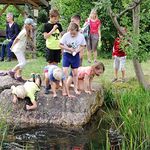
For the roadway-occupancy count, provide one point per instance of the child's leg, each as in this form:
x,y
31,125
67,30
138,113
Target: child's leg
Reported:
x,y
122,66
116,68
53,86
22,62
46,80
75,80
80,85
15,98
38,80
70,79
123,74
65,70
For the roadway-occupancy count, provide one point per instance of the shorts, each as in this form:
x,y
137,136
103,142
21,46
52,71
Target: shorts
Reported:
x,y
53,55
92,42
119,63
69,60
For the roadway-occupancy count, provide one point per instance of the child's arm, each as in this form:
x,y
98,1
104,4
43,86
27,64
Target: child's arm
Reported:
x,y
47,35
15,41
90,84
34,106
81,48
15,98
62,46
87,84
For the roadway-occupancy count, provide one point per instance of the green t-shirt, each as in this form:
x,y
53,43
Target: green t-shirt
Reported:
x,y
31,89
53,41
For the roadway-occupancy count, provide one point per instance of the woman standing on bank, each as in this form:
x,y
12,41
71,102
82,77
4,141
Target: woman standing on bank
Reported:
x,y
94,35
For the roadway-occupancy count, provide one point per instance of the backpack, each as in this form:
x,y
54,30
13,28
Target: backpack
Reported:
x,y
86,29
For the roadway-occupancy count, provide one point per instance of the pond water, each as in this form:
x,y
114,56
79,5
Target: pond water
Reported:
x,y
91,137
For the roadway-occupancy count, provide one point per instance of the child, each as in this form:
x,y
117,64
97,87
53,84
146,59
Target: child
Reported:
x,y
19,47
54,75
72,43
77,19
86,75
52,34
29,89
119,57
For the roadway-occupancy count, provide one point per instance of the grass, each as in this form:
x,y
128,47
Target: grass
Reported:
x,y
37,65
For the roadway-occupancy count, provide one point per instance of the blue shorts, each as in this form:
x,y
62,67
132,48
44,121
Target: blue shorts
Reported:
x,y
69,60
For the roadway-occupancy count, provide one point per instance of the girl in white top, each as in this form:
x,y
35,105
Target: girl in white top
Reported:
x,y
72,43
19,47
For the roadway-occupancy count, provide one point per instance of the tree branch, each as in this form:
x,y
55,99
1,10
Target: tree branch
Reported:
x,y
115,21
131,6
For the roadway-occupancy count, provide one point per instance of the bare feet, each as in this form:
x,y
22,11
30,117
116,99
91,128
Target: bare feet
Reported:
x,y
71,96
88,92
54,95
93,90
77,92
64,94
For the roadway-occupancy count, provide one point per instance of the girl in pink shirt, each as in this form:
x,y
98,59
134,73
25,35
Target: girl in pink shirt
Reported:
x,y
86,75
94,35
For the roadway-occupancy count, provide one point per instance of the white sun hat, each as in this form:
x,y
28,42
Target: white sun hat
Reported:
x,y
58,74
19,91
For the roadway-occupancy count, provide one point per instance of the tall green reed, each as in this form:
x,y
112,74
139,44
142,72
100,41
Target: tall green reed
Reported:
x,y
132,112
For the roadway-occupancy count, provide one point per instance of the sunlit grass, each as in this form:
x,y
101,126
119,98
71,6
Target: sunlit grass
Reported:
x,y
37,65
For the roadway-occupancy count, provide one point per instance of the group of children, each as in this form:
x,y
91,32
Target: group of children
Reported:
x,y
70,46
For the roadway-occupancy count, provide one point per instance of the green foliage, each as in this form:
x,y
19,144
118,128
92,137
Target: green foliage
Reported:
x,y
132,117
40,41
142,52
17,17
68,8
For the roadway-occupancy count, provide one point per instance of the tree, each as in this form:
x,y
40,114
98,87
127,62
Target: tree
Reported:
x,y
135,7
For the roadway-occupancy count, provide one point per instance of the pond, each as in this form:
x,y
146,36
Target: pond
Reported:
x,y
90,137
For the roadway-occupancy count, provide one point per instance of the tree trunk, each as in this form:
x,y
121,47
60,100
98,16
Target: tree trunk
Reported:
x,y
137,65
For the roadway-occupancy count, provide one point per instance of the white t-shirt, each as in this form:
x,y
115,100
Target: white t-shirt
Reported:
x,y
21,44
74,42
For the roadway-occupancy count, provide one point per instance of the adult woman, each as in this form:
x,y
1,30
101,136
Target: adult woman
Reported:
x,y
94,35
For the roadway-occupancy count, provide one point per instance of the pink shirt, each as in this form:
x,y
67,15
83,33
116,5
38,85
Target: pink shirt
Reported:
x,y
94,26
82,71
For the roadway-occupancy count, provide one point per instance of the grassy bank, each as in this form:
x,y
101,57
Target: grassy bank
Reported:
x,y
37,65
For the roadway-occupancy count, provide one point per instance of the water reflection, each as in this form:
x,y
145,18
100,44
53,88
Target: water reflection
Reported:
x,y
50,138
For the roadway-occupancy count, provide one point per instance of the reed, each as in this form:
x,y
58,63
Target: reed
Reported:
x,y
133,114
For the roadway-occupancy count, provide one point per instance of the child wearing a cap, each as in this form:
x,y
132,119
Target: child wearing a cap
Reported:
x,y
54,75
18,48
29,89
